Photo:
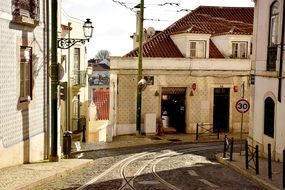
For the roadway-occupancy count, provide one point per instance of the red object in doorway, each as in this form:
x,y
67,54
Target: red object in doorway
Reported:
x,y
101,99
235,88
194,86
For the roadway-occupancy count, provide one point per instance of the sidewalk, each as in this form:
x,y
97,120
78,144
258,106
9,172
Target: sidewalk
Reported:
x,y
238,164
29,175
26,176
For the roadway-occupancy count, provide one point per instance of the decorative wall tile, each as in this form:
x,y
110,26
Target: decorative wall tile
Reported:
x,y
199,107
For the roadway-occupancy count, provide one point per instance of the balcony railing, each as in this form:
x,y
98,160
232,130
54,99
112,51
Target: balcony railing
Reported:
x,y
271,58
79,78
78,124
26,11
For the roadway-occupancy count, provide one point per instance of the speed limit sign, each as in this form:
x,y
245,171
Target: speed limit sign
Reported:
x,y
242,105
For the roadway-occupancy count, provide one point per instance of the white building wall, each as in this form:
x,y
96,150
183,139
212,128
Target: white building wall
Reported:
x,y
261,92
22,125
222,44
266,85
181,42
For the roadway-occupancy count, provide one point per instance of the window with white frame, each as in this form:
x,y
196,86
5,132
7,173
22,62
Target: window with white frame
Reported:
x,y
239,50
77,59
273,37
197,49
25,73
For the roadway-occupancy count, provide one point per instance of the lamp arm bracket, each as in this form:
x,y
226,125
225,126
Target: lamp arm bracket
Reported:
x,y
66,43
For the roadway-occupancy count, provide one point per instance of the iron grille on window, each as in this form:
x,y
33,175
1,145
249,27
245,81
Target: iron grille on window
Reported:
x,y
26,8
271,58
79,78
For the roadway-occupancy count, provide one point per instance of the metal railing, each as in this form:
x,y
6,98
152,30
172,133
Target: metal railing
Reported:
x,y
79,78
251,157
29,9
271,58
206,129
79,123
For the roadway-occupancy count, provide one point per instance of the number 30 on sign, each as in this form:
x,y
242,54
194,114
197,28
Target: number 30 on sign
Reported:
x,y
242,105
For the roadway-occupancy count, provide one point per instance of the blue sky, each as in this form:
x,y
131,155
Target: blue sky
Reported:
x,y
114,23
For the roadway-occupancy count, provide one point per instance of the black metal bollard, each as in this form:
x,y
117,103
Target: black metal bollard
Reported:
x,y
232,149
197,131
246,155
283,168
257,159
269,162
225,146
66,144
218,135
84,134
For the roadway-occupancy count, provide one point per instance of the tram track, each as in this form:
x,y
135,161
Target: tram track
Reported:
x,y
164,182
157,155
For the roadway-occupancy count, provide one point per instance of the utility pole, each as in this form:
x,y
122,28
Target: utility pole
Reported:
x,y
139,92
54,83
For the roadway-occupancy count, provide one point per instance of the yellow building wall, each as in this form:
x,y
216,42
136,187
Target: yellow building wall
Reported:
x,y
199,108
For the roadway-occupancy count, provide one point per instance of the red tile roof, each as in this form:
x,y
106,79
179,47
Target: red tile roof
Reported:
x,y
65,27
214,52
205,20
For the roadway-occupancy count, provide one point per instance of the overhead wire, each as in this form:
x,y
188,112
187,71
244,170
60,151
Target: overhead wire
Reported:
x,y
133,9
177,5
124,5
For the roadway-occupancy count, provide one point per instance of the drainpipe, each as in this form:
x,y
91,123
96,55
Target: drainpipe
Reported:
x,y
47,110
281,57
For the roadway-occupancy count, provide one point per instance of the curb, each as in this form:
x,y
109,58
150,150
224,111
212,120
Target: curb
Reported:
x,y
51,177
243,172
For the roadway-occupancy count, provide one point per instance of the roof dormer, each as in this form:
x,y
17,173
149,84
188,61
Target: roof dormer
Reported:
x,y
233,45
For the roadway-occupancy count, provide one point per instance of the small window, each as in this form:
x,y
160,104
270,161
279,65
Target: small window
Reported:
x,y
77,59
197,49
239,49
25,73
269,107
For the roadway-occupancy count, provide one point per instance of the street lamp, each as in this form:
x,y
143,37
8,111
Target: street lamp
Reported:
x,y
62,44
66,43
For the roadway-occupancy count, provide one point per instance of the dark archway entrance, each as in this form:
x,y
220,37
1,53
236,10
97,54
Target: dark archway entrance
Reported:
x,y
221,109
173,108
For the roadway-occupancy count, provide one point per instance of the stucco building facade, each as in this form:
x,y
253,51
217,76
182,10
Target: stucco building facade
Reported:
x,y
25,56
74,108
23,82
196,70
268,90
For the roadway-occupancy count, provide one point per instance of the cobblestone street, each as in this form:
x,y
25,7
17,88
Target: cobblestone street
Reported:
x,y
167,166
